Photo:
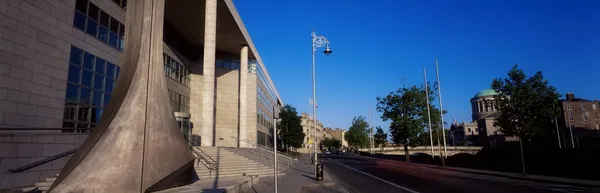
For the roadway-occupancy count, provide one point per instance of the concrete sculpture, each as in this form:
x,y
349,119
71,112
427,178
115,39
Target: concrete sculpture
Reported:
x,y
137,146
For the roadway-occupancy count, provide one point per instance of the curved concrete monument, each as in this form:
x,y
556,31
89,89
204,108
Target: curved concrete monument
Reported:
x,y
137,146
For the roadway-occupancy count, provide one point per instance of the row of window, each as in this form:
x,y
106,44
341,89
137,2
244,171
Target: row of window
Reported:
x,y
263,79
179,102
583,107
232,64
262,98
97,23
263,118
90,84
176,71
585,116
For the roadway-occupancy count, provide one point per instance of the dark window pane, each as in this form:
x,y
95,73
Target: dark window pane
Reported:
x,y
84,96
104,18
82,125
70,112
84,114
97,101
81,5
86,79
92,27
96,114
93,12
114,25
106,99
108,87
113,39
103,34
67,124
88,61
118,70
79,20
71,96
74,74
121,30
75,55
98,82
100,63
124,5
110,70
118,2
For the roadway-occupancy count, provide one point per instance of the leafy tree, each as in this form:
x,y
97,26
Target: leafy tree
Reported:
x,y
357,136
407,109
525,103
289,128
380,136
331,143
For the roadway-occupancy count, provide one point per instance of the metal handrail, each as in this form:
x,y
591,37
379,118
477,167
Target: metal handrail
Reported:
x,y
267,152
37,163
268,148
202,157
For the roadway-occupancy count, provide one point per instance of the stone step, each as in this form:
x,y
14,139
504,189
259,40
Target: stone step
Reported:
x,y
43,184
245,166
29,189
233,169
51,179
232,174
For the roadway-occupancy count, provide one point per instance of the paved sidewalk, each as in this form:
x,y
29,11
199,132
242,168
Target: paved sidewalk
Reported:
x,y
551,179
299,179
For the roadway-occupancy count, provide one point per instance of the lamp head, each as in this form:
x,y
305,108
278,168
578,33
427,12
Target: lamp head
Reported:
x,y
327,51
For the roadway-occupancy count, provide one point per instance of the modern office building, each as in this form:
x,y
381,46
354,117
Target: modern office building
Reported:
x,y
59,61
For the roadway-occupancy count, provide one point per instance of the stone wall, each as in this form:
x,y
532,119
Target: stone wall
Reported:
x,y
17,150
252,102
227,105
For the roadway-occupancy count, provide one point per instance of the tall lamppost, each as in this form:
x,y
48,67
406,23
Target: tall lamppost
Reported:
x,y
317,42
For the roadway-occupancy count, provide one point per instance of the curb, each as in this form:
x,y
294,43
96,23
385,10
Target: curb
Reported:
x,y
591,183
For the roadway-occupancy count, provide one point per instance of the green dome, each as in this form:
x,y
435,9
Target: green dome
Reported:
x,y
486,92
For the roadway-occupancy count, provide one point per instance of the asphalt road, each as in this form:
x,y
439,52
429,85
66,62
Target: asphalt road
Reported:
x,y
374,175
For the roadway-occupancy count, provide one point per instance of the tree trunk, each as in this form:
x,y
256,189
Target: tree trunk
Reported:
x,y
522,158
406,153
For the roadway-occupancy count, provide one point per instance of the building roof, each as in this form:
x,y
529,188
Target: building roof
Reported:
x,y
486,92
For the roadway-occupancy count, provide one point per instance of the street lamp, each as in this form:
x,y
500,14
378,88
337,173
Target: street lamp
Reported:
x,y
317,42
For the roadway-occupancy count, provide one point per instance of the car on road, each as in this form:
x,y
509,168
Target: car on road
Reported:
x,y
327,152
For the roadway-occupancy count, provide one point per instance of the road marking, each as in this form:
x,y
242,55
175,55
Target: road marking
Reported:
x,y
375,177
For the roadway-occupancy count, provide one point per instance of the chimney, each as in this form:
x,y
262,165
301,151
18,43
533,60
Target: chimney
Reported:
x,y
570,96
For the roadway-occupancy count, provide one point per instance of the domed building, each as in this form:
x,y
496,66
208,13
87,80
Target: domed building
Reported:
x,y
484,114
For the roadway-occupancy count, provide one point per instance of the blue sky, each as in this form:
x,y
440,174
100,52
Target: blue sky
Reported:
x,y
376,43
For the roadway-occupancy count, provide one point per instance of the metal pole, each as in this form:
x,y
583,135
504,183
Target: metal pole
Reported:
x,y
571,131
557,131
370,134
428,113
441,109
275,150
314,80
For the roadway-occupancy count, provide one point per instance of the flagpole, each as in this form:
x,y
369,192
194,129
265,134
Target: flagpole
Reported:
x,y
428,113
437,73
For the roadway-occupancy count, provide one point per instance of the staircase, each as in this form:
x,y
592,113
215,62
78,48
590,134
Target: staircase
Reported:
x,y
230,164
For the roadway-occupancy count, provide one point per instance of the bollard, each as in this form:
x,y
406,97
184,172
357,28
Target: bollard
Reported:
x,y
319,172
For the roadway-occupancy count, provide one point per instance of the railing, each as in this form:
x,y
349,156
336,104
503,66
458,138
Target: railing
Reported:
x,y
48,159
267,152
202,157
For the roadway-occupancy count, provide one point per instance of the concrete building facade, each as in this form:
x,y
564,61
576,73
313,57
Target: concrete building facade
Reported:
x,y
60,59
484,114
307,123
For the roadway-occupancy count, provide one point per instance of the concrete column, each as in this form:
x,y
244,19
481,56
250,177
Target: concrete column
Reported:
x,y
208,94
243,123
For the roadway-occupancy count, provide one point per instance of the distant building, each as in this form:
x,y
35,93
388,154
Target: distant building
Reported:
x,y
464,133
308,128
336,133
583,117
484,114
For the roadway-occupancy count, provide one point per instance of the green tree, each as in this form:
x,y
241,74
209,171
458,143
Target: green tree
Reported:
x,y
406,108
331,143
289,128
380,136
526,103
357,136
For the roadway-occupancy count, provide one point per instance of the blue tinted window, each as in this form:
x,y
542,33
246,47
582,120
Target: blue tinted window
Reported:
x,y
108,87
106,99
74,74
79,20
92,27
97,101
75,56
121,44
113,39
88,61
103,34
72,91
117,72
97,115
86,78
98,82
100,63
110,70
84,96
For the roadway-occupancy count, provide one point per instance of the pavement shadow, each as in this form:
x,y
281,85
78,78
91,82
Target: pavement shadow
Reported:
x,y
302,171
307,176
215,188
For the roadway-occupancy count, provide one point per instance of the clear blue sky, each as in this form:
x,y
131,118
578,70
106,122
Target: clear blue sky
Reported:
x,y
377,42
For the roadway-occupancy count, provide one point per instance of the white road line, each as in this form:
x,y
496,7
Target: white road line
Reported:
x,y
375,177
